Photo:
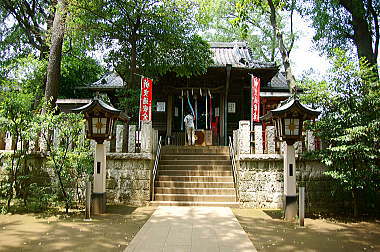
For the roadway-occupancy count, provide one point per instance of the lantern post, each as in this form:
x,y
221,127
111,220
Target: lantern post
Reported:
x,y
100,118
288,120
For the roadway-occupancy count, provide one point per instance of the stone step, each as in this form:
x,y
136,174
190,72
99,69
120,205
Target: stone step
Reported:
x,y
196,178
194,203
194,149
195,157
194,167
194,197
195,162
199,191
194,173
192,184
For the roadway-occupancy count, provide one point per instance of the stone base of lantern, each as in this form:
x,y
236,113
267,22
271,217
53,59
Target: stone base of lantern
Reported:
x,y
290,207
98,205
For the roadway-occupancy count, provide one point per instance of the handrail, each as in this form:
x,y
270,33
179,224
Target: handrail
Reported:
x,y
234,172
155,167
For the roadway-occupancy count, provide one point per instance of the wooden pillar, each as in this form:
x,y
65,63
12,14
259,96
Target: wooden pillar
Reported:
x,y
221,120
228,75
169,118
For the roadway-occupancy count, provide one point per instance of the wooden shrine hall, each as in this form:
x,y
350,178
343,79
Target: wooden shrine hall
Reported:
x,y
220,98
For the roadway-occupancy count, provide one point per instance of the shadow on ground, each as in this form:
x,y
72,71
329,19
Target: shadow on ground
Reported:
x,y
108,232
269,233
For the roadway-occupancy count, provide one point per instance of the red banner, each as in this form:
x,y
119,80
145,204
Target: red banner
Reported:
x,y
255,100
146,99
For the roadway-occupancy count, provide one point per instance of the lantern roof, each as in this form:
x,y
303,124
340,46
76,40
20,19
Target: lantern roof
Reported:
x,y
292,105
97,104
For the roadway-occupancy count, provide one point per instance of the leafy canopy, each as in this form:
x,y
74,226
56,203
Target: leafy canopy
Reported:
x,y
350,123
146,36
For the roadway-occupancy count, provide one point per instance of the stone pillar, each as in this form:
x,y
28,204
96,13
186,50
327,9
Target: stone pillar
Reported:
x,y
258,139
8,141
146,137
56,138
290,183
42,143
99,191
93,144
119,138
270,144
244,137
108,146
235,140
19,145
169,118
282,147
32,145
310,141
298,147
132,139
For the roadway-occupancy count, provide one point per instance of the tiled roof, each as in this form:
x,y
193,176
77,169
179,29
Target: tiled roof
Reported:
x,y
109,80
237,54
278,81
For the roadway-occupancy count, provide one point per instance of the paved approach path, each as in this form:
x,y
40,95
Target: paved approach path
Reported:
x,y
193,229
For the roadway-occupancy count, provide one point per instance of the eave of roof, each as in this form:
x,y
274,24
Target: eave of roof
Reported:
x,y
290,104
236,54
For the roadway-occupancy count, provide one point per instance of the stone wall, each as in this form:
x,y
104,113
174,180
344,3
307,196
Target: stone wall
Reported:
x,y
261,184
128,178
260,181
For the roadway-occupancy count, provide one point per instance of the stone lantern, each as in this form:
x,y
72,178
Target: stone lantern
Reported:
x,y
100,118
288,120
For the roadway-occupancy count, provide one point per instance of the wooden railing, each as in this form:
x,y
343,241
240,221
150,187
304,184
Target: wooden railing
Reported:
x,y
234,171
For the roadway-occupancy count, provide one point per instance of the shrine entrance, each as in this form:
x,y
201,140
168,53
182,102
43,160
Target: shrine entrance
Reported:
x,y
205,106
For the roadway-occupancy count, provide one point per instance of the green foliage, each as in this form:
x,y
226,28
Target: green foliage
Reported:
x,y
69,161
15,117
247,20
350,123
331,21
69,156
23,30
345,25
150,37
77,70
129,100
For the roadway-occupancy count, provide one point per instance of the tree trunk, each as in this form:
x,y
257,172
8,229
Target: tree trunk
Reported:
x,y
133,67
355,202
291,81
362,32
54,66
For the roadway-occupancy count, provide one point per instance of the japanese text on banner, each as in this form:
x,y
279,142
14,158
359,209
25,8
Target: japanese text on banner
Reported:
x,y
255,102
146,99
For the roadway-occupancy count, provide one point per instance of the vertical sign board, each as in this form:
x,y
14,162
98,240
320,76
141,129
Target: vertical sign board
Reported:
x,y
146,99
255,100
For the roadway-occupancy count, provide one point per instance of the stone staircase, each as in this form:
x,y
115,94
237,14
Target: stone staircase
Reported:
x,y
194,176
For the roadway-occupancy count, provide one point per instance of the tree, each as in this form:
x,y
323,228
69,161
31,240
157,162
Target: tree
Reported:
x,y
15,118
27,28
271,8
349,125
229,20
24,25
285,52
77,70
68,156
55,56
346,24
145,36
